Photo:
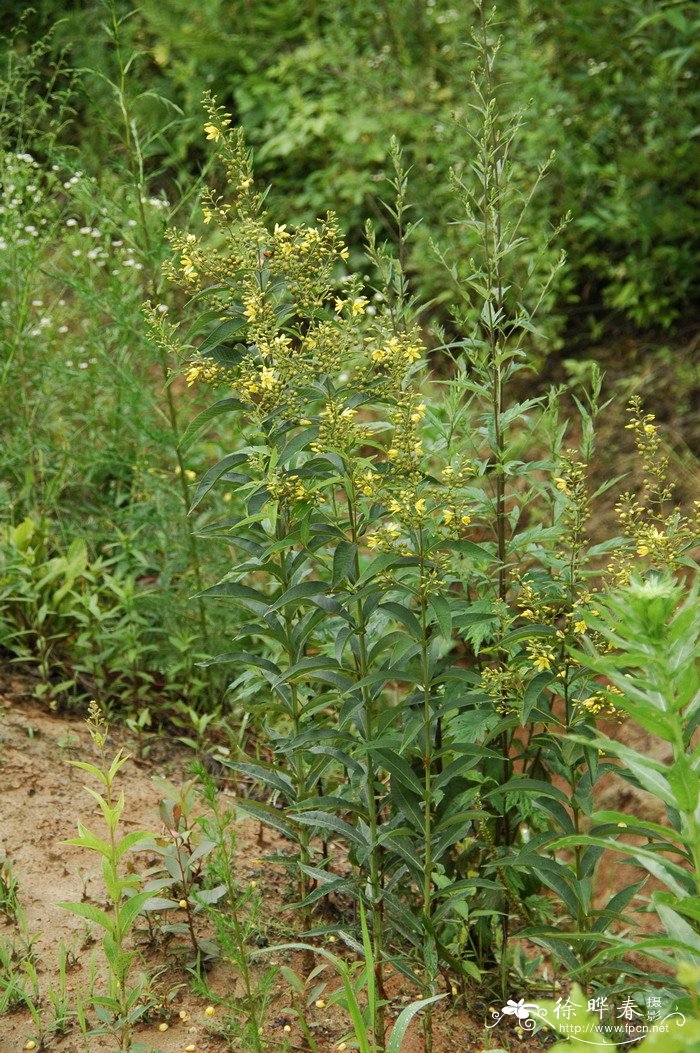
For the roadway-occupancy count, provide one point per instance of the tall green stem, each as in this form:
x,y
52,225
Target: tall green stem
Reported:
x,y
375,879
427,779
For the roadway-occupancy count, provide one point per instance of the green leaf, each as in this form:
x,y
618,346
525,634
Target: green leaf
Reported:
x,y
221,333
533,692
195,426
406,617
133,840
91,913
328,821
270,776
471,549
528,632
248,597
679,929
304,590
344,561
399,769
211,477
398,1032
244,658
131,908
522,784
265,813
443,615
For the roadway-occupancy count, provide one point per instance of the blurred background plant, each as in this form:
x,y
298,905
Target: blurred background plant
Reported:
x,y
320,89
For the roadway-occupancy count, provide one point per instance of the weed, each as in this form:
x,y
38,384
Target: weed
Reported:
x,y
122,1005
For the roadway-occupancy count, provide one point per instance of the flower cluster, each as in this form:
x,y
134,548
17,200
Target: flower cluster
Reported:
x,y
504,684
456,514
601,705
338,431
659,533
394,356
287,488
406,450
541,655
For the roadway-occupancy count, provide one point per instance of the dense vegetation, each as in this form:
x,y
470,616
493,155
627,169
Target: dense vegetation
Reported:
x,y
323,496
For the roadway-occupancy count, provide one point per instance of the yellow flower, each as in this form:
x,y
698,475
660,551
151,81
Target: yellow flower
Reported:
x,y
420,506
359,304
267,378
561,485
245,183
212,132
580,626
162,1027
465,520
320,1003
30,1044
183,904
209,1011
207,214
643,550
188,267
447,516
392,454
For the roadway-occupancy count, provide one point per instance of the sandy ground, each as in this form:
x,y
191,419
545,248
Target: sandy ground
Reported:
x,y
41,799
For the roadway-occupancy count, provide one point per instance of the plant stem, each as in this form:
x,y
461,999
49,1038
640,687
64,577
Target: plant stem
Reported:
x,y
375,880
427,783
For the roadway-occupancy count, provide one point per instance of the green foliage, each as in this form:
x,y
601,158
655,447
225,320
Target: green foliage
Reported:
x,y
650,656
320,92
123,1004
360,493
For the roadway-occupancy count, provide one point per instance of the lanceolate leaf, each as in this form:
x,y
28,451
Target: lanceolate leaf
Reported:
x,y
193,429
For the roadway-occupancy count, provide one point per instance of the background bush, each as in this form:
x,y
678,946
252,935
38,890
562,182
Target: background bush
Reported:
x,y
320,88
